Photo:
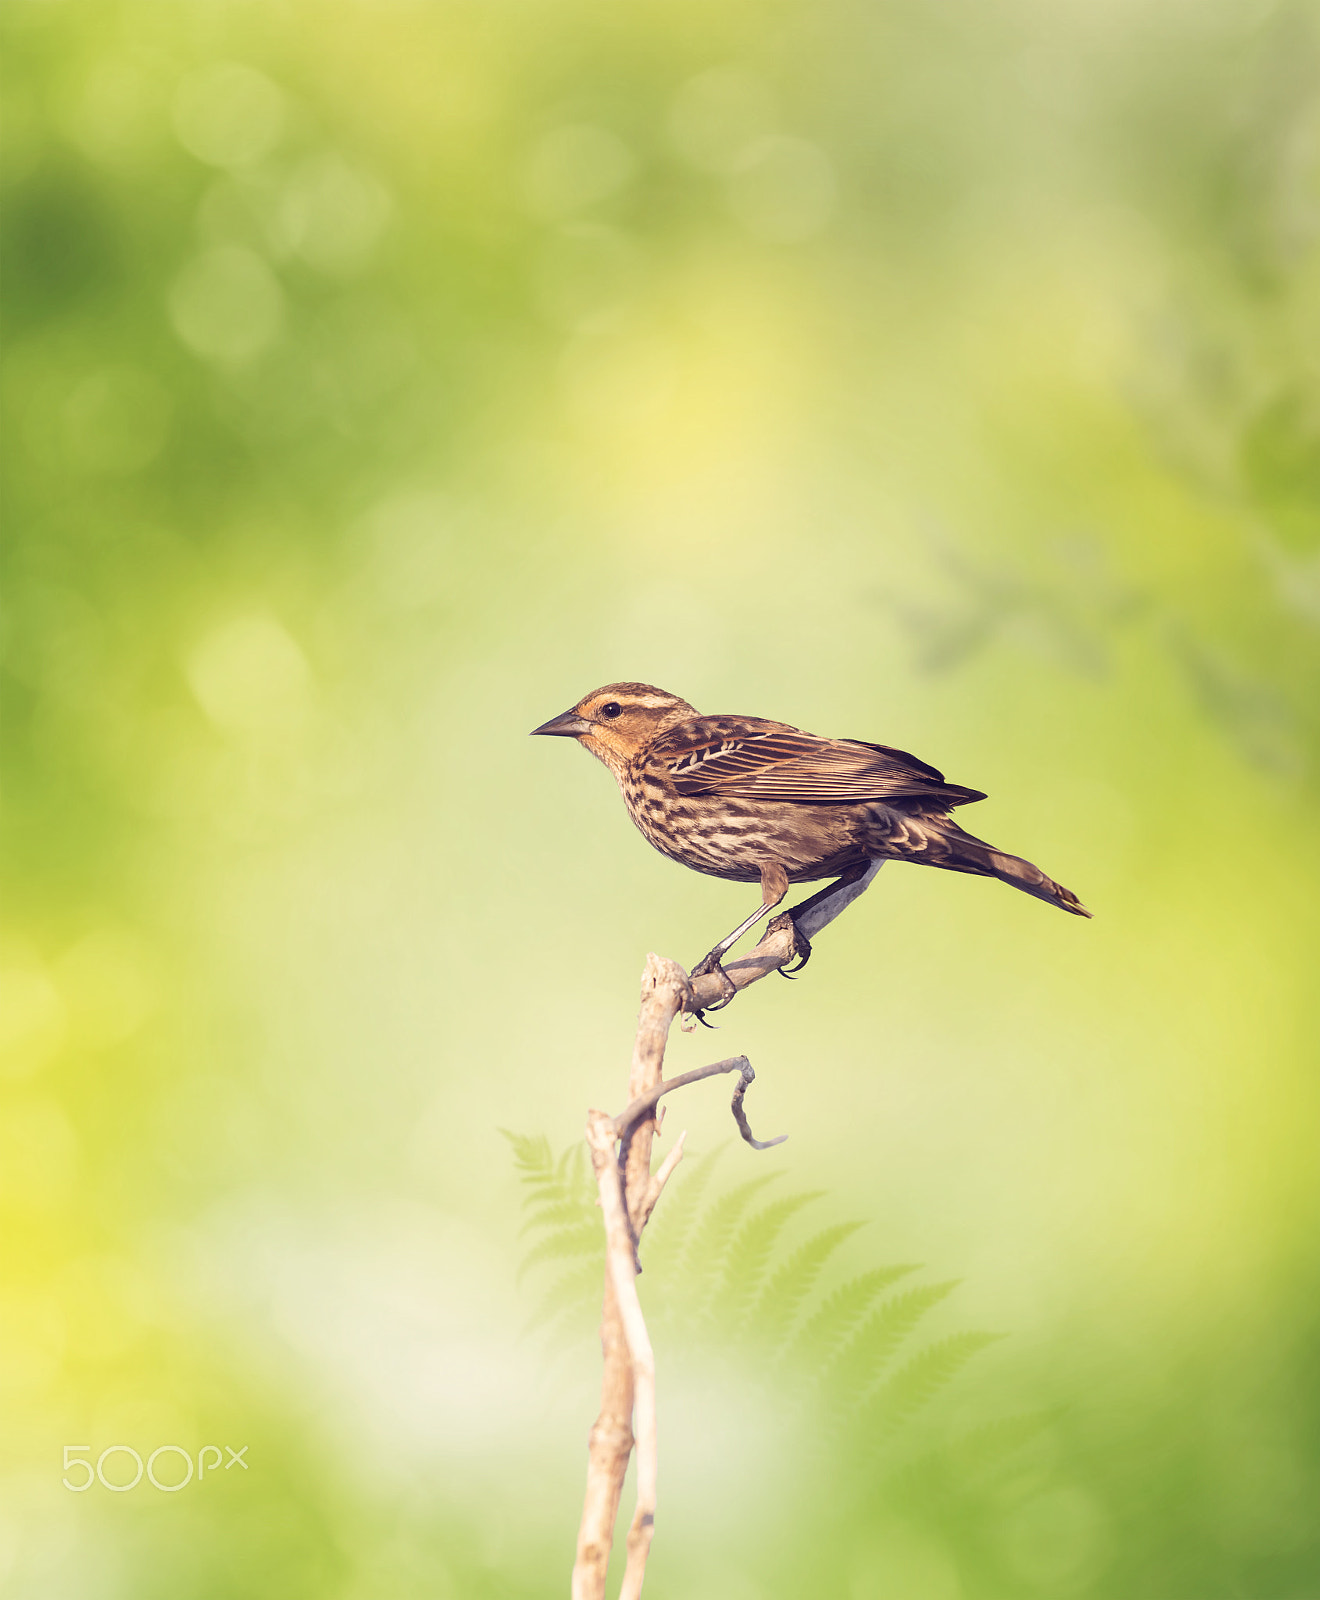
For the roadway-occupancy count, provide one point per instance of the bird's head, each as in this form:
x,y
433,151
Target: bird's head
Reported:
x,y
615,722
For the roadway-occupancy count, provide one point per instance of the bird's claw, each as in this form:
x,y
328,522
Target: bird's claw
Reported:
x,y
801,950
707,965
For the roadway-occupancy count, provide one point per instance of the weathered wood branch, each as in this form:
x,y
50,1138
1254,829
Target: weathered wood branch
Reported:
x,y
621,1159
621,1266
628,1118
778,947
664,989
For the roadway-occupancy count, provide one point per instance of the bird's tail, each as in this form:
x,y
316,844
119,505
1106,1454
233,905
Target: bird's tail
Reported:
x,y
965,853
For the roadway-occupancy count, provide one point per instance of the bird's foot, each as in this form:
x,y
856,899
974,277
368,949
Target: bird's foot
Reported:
x,y
801,950
707,965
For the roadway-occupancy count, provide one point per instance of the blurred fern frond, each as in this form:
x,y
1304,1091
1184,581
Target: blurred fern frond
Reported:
x,y
853,1371
560,1204
582,1239
531,1154
669,1233
834,1321
788,1287
704,1260
748,1257
721,1274
553,1184
562,1308
921,1378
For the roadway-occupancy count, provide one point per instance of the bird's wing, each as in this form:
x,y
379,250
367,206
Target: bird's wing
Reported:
x,y
788,765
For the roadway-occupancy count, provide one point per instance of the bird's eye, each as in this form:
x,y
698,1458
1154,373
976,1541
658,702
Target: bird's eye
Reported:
x,y
612,710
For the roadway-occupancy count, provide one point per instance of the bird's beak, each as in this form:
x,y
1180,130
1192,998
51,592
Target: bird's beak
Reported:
x,y
568,725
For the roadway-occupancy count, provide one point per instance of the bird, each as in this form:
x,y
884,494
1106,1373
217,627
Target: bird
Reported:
x,y
750,800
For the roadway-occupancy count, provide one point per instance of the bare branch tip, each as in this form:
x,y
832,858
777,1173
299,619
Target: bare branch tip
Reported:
x,y
747,1076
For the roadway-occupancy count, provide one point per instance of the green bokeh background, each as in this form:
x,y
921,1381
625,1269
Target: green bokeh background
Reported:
x,y
382,376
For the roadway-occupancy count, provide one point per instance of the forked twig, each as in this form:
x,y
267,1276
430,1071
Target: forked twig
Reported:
x,y
620,1265
624,1344
629,1117
621,1159
740,1116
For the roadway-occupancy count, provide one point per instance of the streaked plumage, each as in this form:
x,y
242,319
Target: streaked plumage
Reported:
x,y
752,800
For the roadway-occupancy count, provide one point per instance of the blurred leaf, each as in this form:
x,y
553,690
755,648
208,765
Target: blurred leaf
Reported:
x,y
710,1245
790,1286
827,1328
855,1366
922,1378
749,1257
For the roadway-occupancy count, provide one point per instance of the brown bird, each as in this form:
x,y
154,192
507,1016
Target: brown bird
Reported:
x,y
747,799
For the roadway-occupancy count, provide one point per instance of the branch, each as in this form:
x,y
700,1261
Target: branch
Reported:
x,y
628,1194
778,946
662,1177
664,987
622,1269
627,1118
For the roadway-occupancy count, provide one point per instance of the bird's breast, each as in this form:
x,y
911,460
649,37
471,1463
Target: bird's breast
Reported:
x,y
731,836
